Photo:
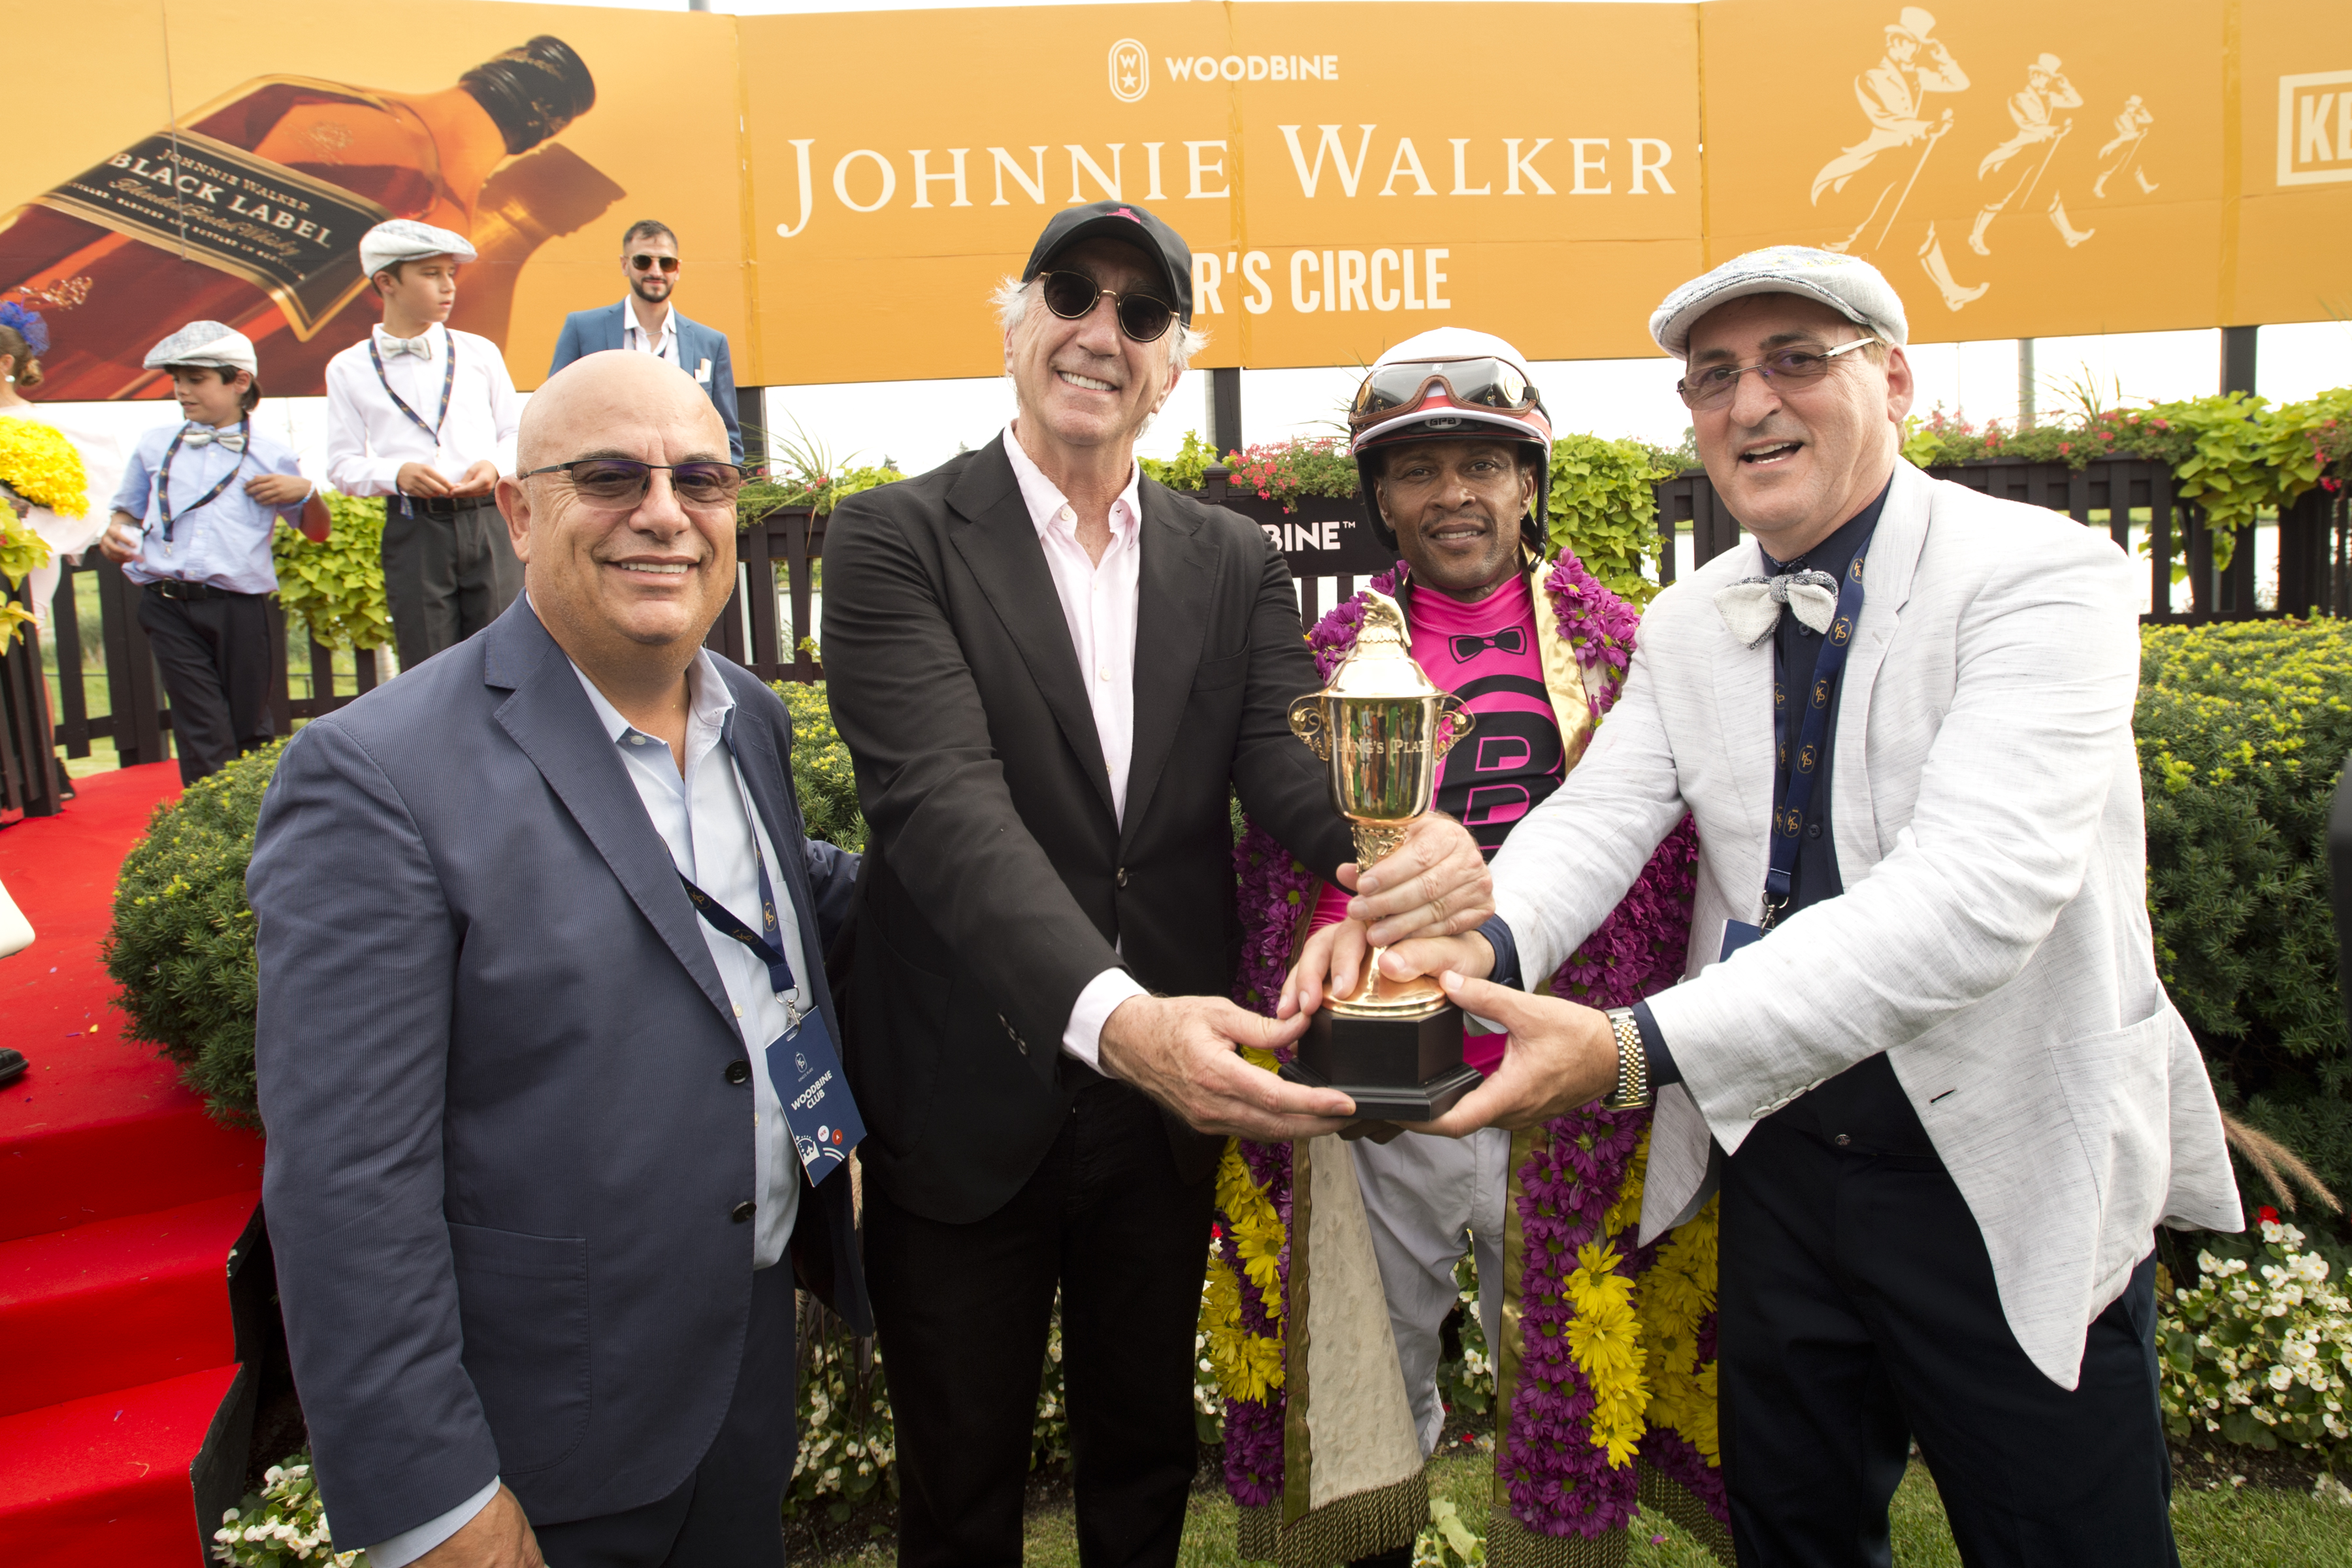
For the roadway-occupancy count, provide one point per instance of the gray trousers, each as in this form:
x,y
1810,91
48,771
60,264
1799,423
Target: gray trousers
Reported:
x,y
1429,1201
448,574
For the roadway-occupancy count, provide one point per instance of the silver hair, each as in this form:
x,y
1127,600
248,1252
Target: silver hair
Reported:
x,y
1011,299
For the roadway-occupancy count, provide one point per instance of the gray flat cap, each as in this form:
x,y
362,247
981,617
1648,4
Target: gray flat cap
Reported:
x,y
406,239
1853,288
206,344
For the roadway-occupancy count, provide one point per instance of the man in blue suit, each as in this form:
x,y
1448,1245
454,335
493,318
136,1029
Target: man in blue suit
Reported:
x,y
647,321
530,1171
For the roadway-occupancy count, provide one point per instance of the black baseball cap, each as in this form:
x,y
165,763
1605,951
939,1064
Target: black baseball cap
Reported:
x,y
1121,221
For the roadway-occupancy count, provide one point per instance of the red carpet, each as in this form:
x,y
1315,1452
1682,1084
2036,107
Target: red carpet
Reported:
x,y
120,1201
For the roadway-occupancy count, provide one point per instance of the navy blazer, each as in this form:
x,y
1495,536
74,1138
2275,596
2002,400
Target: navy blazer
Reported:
x,y
494,1059
592,332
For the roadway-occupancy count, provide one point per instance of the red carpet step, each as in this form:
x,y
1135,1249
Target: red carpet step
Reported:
x,y
123,1206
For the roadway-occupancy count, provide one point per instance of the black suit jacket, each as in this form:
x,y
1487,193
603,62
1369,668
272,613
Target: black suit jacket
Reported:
x,y
998,878
493,1054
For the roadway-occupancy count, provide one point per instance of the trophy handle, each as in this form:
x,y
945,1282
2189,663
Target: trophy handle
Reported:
x,y
1307,723
1450,734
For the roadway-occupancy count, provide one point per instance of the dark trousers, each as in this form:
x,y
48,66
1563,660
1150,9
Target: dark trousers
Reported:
x,y
447,572
1858,1312
215,655
964,1311
730,1512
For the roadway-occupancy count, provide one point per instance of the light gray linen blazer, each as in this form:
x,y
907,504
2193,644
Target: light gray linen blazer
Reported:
x,y
1993,935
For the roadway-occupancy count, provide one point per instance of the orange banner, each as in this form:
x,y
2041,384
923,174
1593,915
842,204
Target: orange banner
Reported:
x,y
846,187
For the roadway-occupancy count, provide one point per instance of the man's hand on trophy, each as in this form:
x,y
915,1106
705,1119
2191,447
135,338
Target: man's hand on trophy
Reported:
x,y
1435,883
1331,962
1559,1057
1183,1052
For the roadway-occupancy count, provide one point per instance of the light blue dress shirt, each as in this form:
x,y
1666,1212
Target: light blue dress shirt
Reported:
x,y
224,544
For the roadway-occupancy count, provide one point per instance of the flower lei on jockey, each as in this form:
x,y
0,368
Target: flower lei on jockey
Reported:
x,y
1606,1378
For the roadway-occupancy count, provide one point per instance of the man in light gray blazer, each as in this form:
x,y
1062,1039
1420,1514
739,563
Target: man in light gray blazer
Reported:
x,y
1922,1045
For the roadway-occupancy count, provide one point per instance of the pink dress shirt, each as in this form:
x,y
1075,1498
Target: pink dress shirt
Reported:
x,y
1098,604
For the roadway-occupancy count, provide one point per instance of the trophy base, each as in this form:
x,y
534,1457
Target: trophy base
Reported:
x,y
1395,1069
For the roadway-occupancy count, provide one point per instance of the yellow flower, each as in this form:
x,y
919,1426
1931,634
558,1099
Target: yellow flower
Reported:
x,y
42,465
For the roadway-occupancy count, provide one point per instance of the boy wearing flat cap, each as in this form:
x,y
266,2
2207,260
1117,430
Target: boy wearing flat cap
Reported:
x,y
426,417
193,518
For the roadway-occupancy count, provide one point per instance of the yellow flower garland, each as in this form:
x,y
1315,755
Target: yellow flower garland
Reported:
x,y
1248,1365
43,466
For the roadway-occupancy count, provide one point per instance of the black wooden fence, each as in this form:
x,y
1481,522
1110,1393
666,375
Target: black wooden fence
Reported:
x,y
1322,540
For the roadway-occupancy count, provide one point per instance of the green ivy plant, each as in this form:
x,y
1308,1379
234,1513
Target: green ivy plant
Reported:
x,y
2235,456
1187,470
337,585
1604,508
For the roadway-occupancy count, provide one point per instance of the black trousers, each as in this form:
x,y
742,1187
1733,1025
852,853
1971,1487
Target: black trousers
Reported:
x,y
964,1311
215,655
731,1512
447,575
1858,1312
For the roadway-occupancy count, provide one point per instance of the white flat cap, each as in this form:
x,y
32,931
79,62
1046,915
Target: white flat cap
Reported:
x,y
207,344
1853,288
406,239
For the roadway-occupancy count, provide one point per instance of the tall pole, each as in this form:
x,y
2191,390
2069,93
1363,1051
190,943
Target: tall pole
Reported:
x,y
2025,383
2237,359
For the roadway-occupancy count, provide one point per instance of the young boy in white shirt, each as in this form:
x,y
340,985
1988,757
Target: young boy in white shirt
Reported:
x,y
426,417
192,525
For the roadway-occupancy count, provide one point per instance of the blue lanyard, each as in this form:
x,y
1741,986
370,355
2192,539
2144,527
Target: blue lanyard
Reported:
x,y
448,384
767,943
164,478
1797,796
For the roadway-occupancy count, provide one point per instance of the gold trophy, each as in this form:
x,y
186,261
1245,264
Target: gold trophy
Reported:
x,y
1394,1046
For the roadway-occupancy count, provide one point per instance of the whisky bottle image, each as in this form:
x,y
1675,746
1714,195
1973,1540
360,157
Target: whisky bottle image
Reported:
x,y
250,211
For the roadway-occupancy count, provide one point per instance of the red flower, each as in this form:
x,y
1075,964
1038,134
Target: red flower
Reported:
x,y
2269,1214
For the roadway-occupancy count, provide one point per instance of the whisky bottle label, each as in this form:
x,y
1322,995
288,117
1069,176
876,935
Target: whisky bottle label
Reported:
x,y
294,236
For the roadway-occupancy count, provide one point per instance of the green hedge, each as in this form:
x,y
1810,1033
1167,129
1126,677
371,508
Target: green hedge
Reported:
x,y
2243,730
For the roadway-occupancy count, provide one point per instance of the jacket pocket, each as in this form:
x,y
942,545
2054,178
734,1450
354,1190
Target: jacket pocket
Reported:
x,y
1216,674
522,1306
2119,1096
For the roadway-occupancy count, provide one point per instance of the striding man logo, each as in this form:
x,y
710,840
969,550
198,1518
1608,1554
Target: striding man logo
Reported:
x,y
1130,71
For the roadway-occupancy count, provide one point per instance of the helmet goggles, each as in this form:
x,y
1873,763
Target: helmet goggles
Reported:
x,y
1493,384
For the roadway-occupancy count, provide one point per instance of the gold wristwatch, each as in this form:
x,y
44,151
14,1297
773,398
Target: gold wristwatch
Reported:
x,y
1632,1063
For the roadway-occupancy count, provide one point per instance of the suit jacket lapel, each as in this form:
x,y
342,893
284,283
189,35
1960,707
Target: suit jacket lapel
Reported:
x,y
1743,697
998,541
1172,617
1888,575
616,326
551,720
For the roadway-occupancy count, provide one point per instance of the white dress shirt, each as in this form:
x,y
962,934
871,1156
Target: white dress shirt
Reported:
x,y
1098,603
704,817
634,336
368,438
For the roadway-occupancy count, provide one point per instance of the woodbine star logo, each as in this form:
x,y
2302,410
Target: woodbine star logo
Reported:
x,y
1130,71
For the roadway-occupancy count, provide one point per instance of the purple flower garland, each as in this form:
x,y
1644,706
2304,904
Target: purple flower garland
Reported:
x,y
1271,886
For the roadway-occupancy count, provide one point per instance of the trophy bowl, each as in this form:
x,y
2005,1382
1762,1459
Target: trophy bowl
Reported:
x,y
1379,728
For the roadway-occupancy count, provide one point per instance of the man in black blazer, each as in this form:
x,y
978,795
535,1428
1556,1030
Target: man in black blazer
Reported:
x,y
528,1177
1052,675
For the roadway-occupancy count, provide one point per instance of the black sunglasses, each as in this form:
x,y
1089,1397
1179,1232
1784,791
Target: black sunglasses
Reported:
x,y
1072,295
623,481
647,263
